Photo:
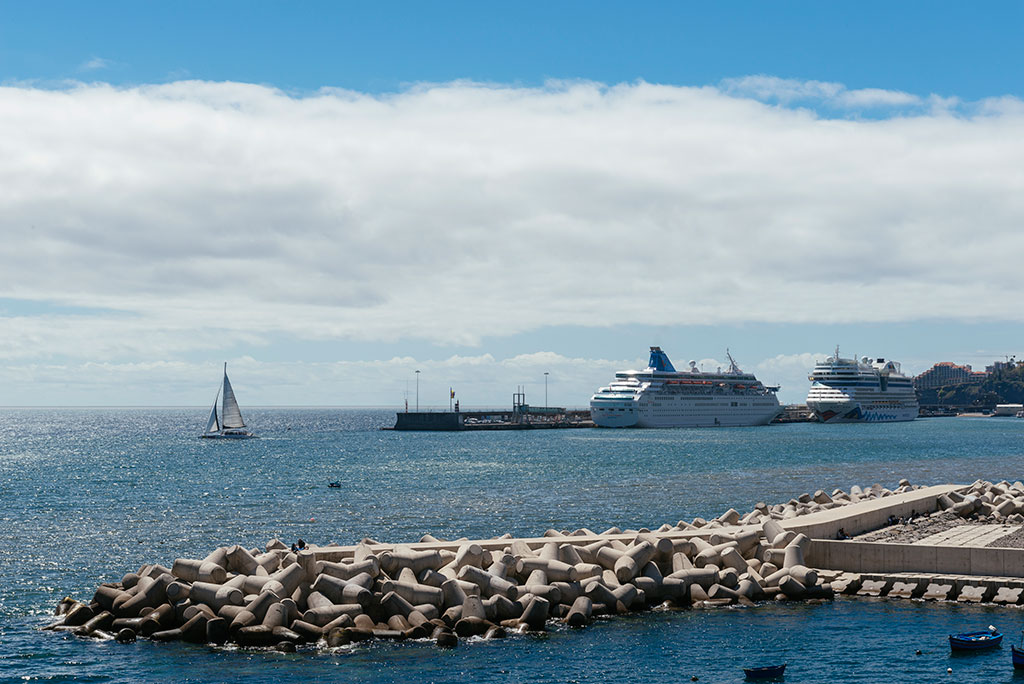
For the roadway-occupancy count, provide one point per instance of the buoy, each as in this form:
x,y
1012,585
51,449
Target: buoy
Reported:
x,y
949,670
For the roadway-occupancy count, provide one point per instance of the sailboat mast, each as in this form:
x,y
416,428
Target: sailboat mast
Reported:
x,y
224,387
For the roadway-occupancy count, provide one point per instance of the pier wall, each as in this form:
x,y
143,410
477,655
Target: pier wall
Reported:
x,y
875,557
442,422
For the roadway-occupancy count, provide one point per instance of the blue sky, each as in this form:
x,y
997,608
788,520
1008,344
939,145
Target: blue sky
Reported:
x,y
332,195
945,48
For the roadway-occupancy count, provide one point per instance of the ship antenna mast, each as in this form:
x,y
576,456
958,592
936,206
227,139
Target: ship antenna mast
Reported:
x,y
733,368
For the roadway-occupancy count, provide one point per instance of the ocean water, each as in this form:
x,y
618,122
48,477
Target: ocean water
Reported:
x,y
89,494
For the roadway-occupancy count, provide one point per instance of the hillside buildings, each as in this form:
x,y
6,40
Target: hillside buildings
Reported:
x,y
947,373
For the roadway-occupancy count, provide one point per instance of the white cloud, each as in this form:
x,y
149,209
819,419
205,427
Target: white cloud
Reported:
x,y
95,64
789,91
783,363
208,215
866,98
762,87
789,372
480,380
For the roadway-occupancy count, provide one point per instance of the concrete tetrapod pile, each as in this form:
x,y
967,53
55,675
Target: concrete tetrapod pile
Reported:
x,y
334,596
985,501
805,504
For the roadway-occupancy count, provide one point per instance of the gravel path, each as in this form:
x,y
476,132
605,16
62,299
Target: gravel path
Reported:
x,y
925,526
1014,540
917,529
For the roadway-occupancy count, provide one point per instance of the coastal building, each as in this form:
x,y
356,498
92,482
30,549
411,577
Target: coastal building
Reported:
x,y
998,367
947,373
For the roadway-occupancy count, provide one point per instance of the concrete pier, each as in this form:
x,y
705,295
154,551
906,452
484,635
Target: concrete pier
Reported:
x,y
515,419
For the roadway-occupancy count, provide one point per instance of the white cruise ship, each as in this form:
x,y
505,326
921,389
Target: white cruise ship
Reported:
x,y
661,396
868,391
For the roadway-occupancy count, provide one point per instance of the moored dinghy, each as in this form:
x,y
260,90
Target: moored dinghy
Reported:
x,y
767,672
229,425
975,641
1018,654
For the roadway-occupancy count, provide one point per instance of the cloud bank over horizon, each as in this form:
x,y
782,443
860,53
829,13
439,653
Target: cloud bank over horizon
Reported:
x,y
142,224
479,380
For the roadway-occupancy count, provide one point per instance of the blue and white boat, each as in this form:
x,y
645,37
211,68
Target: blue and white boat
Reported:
x,y
865,391
975,641
660,396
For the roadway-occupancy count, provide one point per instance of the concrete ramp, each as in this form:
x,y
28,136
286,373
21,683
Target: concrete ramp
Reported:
x,y
968,535
870,514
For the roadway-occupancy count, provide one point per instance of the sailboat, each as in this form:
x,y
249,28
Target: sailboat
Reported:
x,y
229,425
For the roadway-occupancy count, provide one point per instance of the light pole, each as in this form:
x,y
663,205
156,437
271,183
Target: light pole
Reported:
x,y
545,389
417,391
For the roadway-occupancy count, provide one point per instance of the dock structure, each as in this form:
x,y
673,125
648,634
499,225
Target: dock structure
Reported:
x,y
519,418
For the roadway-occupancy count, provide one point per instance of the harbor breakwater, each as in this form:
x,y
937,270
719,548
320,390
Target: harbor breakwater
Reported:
x,y
335,595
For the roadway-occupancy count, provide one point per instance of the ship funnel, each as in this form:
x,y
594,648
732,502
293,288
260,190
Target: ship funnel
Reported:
x,y
659,361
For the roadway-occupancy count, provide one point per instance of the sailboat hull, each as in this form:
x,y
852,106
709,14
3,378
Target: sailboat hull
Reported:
x,y
228,434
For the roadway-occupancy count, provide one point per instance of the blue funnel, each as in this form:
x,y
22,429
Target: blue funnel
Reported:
x,y
659,361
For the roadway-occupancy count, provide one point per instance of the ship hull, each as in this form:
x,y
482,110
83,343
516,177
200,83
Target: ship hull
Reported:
x,y
860,412
713,413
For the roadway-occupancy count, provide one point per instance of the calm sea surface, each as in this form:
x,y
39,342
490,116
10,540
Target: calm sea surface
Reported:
x,y
87,495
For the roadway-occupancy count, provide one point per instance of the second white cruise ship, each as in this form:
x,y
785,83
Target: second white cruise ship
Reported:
x,y
661,396
868,391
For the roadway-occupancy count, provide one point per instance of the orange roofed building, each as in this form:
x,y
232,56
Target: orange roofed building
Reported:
x,y
947,373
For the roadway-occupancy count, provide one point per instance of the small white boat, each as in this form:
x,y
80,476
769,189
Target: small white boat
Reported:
x,y
229,425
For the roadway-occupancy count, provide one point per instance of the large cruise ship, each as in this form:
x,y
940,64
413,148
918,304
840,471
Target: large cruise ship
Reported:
x,y
661,396
868,391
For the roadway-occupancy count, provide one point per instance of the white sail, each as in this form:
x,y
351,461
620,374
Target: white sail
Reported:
x,y
230,415
213,425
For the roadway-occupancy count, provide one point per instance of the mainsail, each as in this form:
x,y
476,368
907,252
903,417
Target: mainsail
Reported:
x,y
230,416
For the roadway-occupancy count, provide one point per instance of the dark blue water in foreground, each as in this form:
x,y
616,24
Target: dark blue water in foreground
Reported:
x,y
87,495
